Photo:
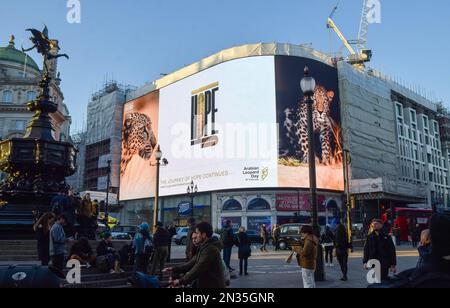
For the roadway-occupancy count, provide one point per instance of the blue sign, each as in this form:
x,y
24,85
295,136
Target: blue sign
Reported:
x,y
184,209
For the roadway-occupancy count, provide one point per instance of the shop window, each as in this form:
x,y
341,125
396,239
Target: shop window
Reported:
x,y
232,205
258,204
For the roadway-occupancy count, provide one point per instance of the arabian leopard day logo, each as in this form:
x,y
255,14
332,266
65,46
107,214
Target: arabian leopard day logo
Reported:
x,y
203,116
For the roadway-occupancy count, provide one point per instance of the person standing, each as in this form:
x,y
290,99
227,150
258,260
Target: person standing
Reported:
x,y
172,232
228,243
308,256
205,270
85,212
379,246
142,248
244,251
42,228
327,241
276,236
264,237
161,240
58,243
342,247
412,230
189,245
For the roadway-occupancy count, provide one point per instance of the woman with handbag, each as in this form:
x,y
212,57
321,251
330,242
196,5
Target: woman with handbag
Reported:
x,y
244,251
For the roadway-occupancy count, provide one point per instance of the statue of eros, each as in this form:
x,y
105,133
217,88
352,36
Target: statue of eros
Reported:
x,y
45,46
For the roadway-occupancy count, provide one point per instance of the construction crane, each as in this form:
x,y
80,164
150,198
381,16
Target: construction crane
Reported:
x,y
362,55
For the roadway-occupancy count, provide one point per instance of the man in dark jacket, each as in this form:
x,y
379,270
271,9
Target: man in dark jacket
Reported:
x,y
161,240
172,232
435,272
379,246
205,269
228,243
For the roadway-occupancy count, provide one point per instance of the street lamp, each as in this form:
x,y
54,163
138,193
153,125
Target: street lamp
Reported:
x,y
159,161
192,190
308,86
107,195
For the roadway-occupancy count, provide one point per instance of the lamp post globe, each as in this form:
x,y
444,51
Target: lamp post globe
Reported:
x,y
308,84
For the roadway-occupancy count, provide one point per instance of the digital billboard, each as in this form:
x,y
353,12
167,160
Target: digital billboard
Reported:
x,y
139,141
237,125
293,169
218,128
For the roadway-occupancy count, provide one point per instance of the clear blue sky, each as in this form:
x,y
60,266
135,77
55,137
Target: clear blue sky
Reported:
x,y
135,41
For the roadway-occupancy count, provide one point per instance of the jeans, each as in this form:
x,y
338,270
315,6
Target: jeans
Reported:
x,y
159,260
342,256
243,265
329,254
264,243
308,279
227,256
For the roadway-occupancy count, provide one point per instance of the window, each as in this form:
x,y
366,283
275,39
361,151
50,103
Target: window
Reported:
x,y
232,205
425,122
293,230
19,125
258,204
399,110
413,116
31,95
7,97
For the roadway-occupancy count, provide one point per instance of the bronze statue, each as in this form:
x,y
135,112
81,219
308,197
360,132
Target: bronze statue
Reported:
x,y
44,45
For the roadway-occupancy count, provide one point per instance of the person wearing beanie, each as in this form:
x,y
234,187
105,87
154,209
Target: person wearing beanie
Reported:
x,y
143,248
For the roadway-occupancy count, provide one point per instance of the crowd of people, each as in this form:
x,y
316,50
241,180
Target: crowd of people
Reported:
x,y
208,257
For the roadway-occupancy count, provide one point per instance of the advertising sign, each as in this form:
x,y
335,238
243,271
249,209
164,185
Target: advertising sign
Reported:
x,y
293,169
218,128
139,141
238,125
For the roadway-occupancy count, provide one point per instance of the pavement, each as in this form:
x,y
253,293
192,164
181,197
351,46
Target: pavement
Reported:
x,y
270,270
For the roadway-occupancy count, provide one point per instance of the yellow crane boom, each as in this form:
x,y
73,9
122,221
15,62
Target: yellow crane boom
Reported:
x,y
332,25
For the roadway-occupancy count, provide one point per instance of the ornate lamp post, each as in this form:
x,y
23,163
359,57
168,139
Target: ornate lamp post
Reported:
x,y
192,191
308,86
107,195
160,161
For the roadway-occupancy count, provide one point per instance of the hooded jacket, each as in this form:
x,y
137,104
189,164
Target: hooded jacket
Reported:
x,y
308,254
205,268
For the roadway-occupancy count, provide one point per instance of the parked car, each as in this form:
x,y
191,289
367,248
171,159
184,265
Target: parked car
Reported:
x,y
130,230
181,236
253,235
290,236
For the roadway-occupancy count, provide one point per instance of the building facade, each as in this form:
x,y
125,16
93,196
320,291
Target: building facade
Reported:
x,y
102,140
394,137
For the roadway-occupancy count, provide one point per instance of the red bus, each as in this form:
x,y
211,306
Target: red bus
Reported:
x,y
421,216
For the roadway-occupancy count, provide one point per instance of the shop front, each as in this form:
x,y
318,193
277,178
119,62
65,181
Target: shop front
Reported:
x,y
252,209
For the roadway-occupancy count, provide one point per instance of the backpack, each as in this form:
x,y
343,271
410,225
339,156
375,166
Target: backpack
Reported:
x,y
148,246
